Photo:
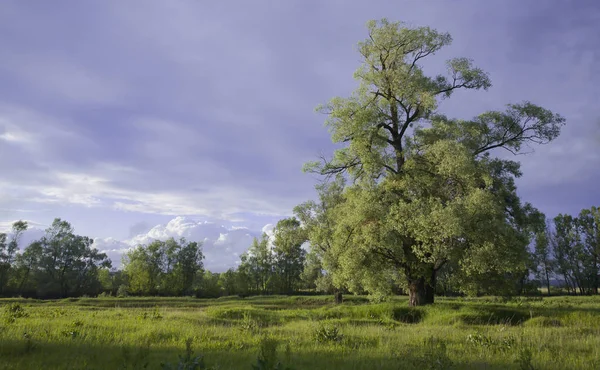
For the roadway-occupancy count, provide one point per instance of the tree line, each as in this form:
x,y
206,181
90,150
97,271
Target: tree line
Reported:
x,y
411,201
62,264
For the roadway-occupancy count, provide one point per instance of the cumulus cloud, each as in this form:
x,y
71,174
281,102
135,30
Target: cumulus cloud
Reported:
x,y
221,245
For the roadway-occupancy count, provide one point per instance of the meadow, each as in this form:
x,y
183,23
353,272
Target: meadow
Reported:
x,y
304,332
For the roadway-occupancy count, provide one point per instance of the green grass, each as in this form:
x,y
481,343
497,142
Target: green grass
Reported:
x,y
310,332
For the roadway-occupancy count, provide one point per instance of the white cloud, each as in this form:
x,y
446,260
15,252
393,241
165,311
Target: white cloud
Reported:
x,y
221,245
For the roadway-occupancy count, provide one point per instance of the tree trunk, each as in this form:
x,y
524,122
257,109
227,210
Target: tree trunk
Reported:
x,y
416,292
430,288
548,282
596,277
337,296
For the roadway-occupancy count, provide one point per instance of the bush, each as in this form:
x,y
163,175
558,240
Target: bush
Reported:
x,y
327,332
13,311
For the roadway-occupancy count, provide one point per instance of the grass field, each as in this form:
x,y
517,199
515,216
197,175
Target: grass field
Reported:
x,y
307,333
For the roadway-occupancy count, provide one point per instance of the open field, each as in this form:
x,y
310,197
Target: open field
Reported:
x,y
310,332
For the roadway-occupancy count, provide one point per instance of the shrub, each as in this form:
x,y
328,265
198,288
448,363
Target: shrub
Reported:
x,y
327,332
13,311
502,344
249,324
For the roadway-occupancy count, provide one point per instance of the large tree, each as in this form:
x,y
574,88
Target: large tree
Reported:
x,y
424,188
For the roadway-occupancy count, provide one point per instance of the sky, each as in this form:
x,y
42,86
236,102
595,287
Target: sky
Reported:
x,y
145,119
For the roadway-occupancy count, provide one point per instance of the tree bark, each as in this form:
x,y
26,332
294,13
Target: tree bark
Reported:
x,y
337,296
430,288
548,281
416,292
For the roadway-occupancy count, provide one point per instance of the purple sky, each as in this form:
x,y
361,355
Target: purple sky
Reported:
x,y
121,115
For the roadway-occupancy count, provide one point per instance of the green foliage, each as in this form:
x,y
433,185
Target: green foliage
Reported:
x,y
257,266
153,315
209,285
8,253
14,311
249,323
288,254
575,244
463,205
327,332
495,344
164,267
123,291
60,264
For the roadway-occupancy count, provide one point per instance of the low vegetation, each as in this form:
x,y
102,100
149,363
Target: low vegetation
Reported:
x,y
280,332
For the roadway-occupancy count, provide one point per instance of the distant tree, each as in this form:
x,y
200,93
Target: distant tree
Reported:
x,y
167,267
569,252
63,263
288,254
589,223
209,285
228,281
27,268
313,269
543,257
8,253
319,220
257,264
136,266
111,280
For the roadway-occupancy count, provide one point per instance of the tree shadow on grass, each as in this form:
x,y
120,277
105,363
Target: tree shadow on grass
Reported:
x,y
34,354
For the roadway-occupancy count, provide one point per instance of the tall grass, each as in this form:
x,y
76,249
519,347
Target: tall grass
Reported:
x,y
307,332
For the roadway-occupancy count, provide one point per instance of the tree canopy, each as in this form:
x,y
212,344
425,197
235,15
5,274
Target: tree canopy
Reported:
x,y
424,189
